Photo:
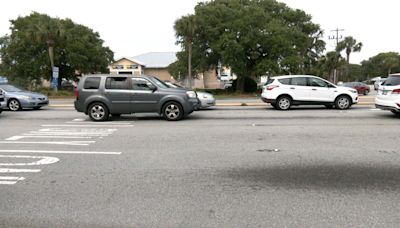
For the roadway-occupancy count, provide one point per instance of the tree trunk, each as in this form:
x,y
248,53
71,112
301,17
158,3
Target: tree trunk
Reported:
x,y
51,55
190,64
240,84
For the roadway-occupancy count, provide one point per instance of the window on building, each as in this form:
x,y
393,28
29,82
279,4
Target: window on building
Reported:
x,y
133,66
117,83
118,67
92,83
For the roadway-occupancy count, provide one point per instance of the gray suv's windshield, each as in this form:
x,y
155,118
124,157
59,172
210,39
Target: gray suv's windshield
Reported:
x,y
160,83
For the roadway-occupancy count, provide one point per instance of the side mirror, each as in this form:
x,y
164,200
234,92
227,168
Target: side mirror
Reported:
x,y
151,87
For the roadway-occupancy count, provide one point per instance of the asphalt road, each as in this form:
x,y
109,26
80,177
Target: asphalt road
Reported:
x,y
224,167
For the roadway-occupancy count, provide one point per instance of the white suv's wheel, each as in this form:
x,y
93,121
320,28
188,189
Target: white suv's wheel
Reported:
x,y
284,103
343,102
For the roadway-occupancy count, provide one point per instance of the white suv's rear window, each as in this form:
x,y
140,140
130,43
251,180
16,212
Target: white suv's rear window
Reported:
x,y
392,81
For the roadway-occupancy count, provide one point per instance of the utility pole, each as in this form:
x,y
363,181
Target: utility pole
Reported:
x,y
337,38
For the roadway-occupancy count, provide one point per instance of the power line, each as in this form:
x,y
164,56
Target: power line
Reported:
x,y
336,37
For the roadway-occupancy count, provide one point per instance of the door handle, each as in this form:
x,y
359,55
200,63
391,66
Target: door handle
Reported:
x,y
292,88
314,89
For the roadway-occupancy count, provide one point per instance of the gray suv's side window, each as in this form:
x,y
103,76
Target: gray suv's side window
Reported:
x,y
92,83
117,83
140,84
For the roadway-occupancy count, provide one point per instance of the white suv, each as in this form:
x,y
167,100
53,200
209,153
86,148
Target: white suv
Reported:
x,y
284,91
388,97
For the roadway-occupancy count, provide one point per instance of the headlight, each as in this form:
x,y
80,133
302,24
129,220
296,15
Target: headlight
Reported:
x,y
191,94
27,97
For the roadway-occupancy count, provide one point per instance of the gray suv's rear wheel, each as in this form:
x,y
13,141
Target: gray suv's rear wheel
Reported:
x,y
172,111
98,112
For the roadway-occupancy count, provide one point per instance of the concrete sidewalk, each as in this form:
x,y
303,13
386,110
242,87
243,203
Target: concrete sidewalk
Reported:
x,y
69,103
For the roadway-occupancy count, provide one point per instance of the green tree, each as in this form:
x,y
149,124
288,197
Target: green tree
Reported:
x,y
185,32
329,63
349,44
255,37
37,38
381,64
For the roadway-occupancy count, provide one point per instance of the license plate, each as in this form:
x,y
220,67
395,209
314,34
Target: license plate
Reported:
x,y
384,92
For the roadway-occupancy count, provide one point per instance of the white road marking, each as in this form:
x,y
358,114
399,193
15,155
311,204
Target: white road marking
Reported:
x,y
60,152
375,109
75,125
8,178
107,130
99,123
18,137
68,133
4,170
44,160
69,143
8,182
78,120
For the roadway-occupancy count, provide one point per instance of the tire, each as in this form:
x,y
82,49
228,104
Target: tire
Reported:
x,y
98,112
14,105
329,106
366,92
283,103
172,111
273,105
343,102
396,113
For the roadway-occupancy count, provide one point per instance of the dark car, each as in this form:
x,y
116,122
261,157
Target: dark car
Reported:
x,y
361,88
101,95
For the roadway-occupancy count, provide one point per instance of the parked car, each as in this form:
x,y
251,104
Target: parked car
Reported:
x,y
388,97
361,88
206,99
284,91
17,99
101,95
2,101
379,82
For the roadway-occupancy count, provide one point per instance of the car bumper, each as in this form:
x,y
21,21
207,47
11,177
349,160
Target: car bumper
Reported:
x,y
79,106
391,105
204,103
33,103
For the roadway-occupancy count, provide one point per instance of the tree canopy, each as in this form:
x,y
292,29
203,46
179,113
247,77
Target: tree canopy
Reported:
x,y
254,37
381,64
27,53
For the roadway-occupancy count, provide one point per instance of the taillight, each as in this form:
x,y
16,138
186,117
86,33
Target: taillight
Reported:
x,y
271,87
396,91
398,105
77,93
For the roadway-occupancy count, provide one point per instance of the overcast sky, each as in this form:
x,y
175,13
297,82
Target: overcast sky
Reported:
x,y
133,27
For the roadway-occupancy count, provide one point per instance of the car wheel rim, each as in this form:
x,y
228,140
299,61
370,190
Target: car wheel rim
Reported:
x,y
97,112
343,103
172,111
14,105
284,103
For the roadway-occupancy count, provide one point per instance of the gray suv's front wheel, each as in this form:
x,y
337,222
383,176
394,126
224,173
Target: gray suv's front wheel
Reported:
x,y
98,112
172,111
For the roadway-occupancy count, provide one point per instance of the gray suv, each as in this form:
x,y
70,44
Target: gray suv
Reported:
x,y
101,95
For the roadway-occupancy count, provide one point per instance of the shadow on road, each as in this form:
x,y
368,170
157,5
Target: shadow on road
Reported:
x,y
331,177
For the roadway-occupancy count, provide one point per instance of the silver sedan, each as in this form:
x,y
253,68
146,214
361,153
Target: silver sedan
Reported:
x,y
206,99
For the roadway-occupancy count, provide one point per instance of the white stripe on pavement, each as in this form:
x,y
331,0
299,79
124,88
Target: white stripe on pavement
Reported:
x,y
69,143
4,170
83,125
61,152
11,178
18,137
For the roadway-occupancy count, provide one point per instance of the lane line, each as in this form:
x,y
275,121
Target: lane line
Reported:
x,y
61,152
8,182
18,137
44,160
98,123
69,143
75,125
4,170
8,178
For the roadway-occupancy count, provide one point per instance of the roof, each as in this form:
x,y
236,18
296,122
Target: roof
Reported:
x,y
132,60
156,59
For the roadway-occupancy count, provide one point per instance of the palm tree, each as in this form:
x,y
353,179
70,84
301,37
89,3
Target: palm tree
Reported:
x,y
349,44
185,29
